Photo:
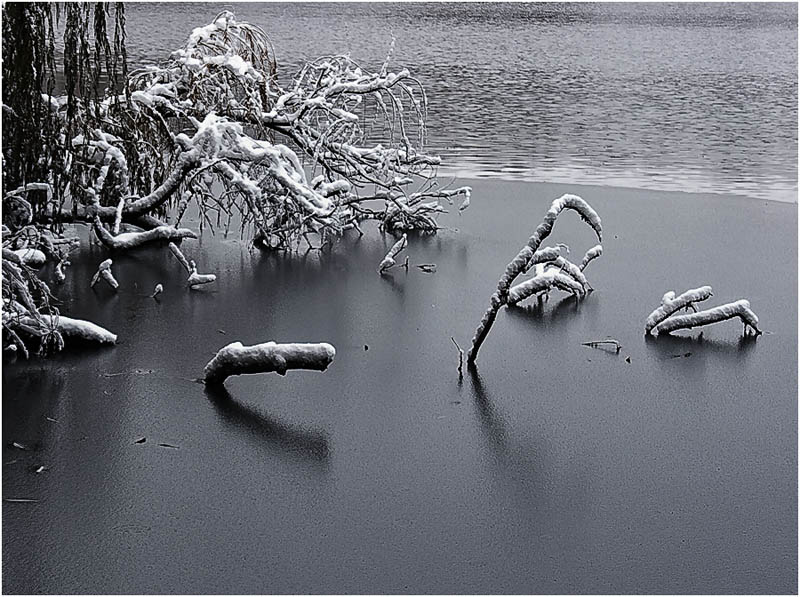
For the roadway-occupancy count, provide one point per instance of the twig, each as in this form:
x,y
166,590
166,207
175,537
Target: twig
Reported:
x,y
599,343
460,355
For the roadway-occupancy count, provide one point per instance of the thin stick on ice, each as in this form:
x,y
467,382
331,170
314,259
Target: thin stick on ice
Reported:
x,y
740,309
670,304
236,359
389,261
520,262
104,271
131,240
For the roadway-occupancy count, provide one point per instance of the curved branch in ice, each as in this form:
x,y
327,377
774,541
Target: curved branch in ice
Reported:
x,y
196,279
593,253
520,262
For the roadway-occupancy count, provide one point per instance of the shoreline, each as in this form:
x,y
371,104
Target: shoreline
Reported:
x,y
566,176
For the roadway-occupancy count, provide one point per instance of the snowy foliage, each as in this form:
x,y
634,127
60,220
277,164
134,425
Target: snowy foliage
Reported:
x,y
294,161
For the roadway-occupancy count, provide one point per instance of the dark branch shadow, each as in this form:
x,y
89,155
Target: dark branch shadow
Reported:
x,y
492,423
290,439
388,278
667,346
537,314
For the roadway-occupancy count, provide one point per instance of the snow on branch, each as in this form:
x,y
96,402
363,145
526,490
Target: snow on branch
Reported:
x,y
543,283
180,257
131,240
592,254
104,271
670,304
663,320
195,280
389,261
304,159
740,309
236,359
77,329
523,259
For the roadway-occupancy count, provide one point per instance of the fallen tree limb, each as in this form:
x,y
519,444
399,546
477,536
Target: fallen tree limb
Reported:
x,y
740,309
78,329
237,359
131,240
520,262
670,304
31,257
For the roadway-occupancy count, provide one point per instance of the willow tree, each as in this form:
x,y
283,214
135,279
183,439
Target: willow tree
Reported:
x,y
293,163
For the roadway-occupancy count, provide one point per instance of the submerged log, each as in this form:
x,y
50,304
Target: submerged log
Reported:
x,y
236,359
131,240
740,309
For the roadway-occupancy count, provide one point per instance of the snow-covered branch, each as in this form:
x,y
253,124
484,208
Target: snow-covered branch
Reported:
x,y
670,304
131,240
389,261
236,359
521,262
260,141
740,309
